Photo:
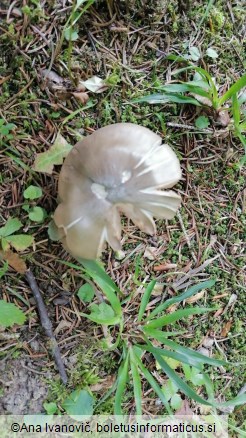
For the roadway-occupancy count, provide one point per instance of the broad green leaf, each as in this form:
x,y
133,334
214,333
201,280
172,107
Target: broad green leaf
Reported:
x,y
53,231
122,378
175,316
145,299
37,214
235,88
20,241
79,402
202,122
176,401
211,53
136,383
102,314
11,226
194,53
10,314
45,161
51,408
189,293
153,383
70,34
33,192
166,98
86,293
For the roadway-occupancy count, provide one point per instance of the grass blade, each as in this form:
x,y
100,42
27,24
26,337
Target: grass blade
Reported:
x,y
175,316
145,299
136,383
121,385
153,383
198,358
166,98
235,88
186,389
189,293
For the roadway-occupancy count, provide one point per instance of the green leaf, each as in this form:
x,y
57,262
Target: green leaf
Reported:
x,y
181,384
235,110
12,225
20,241
201,88
53,232
51,408
37,214
197,358
10,314
33,192
102,314
194,53
211,53
70,34
148,376
202,122
4,269
189,293
235,88
145,299
86,293
136,383
176,401
169,389
166,98
79,402
175,316
121,385
45,161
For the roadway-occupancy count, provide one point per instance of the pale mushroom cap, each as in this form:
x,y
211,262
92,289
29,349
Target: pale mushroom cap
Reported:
x,y
120,166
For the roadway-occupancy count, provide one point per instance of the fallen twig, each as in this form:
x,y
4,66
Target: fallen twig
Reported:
x,y
46,324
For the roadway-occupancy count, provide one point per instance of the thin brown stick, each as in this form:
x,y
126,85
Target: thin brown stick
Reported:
x,y
46,324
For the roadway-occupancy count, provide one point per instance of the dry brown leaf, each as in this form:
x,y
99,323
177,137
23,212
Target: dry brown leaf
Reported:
x,y
82,97
195,298
165,267
225,330
14,260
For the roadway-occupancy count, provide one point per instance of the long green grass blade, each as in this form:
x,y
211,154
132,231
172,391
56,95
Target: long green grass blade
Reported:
x,y
148,376
123,375
175,316
186,389
189,293
145,299
235,88
235,110
136,383
185,87
166,98
92,266
196,357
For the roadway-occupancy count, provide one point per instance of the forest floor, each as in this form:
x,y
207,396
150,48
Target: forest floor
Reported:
x,y
127,45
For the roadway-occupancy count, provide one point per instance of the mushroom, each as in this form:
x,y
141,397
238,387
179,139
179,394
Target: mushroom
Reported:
x,y
119,168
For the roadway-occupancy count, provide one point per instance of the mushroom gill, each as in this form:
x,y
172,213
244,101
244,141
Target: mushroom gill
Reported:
x,y
119,168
